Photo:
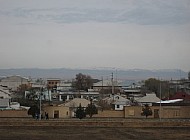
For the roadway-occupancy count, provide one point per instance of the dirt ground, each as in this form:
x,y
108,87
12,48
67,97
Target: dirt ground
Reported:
x,y
91,133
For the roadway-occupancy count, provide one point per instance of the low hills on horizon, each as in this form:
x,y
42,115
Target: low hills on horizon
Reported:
x,y
122,74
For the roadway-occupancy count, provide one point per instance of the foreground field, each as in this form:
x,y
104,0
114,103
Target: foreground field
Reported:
x,y
91,133
94,129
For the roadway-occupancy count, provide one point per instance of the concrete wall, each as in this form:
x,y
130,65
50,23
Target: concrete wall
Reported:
x,y
132,112
176,112
110,114
14,113
129,112
166,112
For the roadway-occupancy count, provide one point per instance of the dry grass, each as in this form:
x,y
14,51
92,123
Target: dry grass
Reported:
x,y
91,133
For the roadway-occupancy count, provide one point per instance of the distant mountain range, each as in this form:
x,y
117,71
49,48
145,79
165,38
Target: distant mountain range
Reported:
x,y
66,73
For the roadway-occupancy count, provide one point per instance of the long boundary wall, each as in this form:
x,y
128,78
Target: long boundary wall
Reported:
x,y
109,114
97,123
14,114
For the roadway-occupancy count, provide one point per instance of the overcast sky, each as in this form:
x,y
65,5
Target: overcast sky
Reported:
x,y
143,34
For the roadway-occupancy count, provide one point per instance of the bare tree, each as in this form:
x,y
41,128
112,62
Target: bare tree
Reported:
x,y
82,82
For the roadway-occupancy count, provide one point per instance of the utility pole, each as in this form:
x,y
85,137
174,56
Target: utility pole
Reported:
x,y
40,106
112,86
102,96
41,90
160,101
102,83
48,93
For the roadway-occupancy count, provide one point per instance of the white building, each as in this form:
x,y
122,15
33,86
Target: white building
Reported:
x,y
64,86
66,96
4,93
117,101
13,82
119,105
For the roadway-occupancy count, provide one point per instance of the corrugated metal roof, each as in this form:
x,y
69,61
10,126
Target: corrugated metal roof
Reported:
x,y
77,101
149,98
53,79
107,83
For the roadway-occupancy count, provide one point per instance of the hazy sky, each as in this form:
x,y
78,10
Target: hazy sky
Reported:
x,y
145,34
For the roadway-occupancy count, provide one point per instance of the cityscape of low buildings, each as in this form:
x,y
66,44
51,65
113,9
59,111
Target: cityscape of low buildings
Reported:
x,y
58,98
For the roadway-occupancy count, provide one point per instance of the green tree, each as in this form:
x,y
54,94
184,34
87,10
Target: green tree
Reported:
x,y
80,113
82,82
154,85
33,110
91,109
146,111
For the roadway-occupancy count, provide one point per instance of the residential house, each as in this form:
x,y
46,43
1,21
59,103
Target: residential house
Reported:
x,y
69,95
148,99
119,105
182,85
56,111
117,101
133,89
35,95
65,110
73,104
64,86
106,84
53,83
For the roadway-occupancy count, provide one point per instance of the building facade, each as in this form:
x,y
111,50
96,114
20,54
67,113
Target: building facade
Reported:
x,y
57,111
163,112
13,82
53,82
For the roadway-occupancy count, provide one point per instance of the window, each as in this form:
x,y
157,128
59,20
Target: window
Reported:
x,y
118,106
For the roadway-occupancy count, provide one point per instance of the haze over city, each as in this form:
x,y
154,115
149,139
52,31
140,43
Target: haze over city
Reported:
x,y
128,34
